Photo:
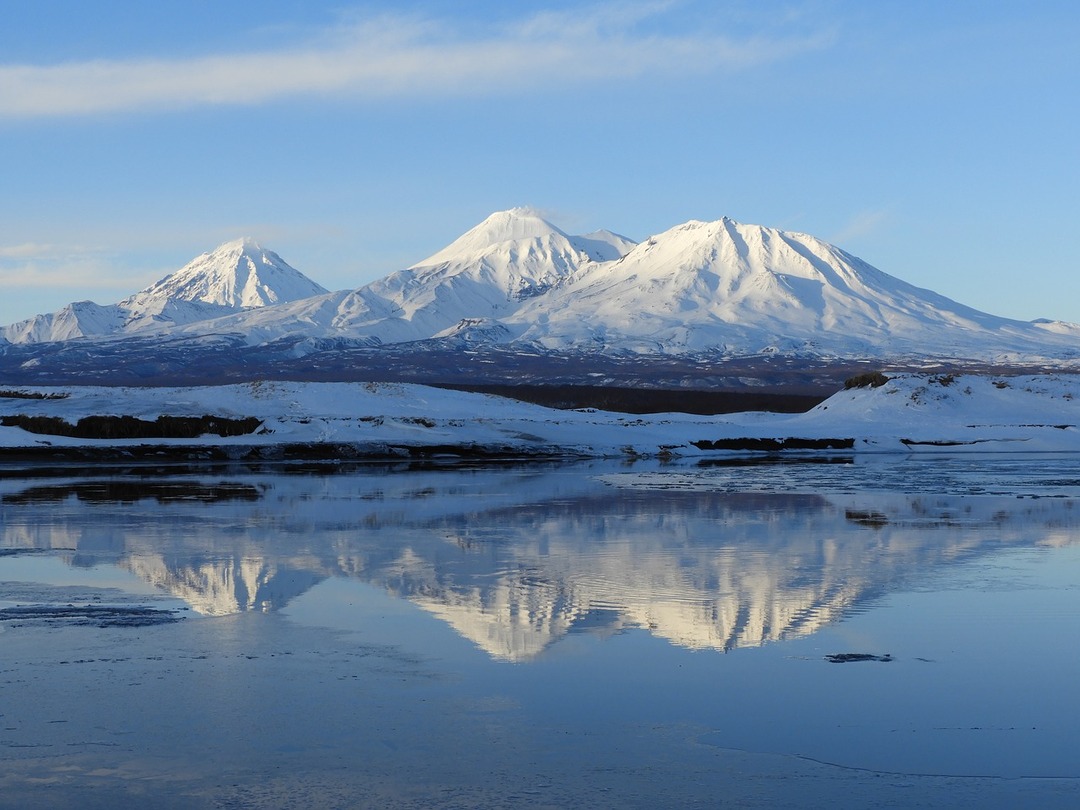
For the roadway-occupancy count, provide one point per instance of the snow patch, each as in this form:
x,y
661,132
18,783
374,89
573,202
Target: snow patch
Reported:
x,y
909,413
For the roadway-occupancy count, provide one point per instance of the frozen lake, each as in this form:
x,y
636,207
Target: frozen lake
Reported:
x,y
602,635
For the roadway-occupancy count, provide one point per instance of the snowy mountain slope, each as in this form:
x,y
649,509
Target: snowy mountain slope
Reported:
x,y
487,273
525,225
237,275
77,319
1058,327
604,245
702,289
508,258
747,289
320,316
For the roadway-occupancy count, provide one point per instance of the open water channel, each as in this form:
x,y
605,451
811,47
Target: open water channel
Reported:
x,y
897,631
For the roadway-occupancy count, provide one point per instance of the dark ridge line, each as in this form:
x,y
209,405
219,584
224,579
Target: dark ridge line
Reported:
x,y
130,427
775,445
342,452
646,400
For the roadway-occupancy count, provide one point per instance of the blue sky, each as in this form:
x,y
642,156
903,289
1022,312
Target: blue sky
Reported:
x,y
939,141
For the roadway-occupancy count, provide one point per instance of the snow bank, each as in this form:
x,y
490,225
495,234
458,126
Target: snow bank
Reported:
x,y
910,413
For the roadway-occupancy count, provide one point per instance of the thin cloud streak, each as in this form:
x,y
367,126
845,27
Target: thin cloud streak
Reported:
x,y
392,58
26,250
38,266
862,224
89,275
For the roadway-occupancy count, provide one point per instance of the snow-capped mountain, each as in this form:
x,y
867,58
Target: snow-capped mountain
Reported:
x,y
238,275
76,320
520,287
747,289
484,275
717,287
489,271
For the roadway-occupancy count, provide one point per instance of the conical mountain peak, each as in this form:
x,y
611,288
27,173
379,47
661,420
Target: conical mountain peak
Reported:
x,y
245,244
239,274
513,225
748,289
236,275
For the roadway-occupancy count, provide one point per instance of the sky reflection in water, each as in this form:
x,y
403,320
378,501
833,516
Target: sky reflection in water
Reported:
x,y
608,597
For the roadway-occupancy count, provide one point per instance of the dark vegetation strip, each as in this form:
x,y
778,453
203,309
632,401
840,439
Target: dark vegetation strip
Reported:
x,y
873,379
324,452
775,445
471,451
647,400
344,452
135,490
942,442
129,427
10,394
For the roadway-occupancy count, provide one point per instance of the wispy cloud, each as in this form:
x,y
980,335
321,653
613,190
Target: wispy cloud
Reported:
x,y
861,224
26,250
399,56
34,265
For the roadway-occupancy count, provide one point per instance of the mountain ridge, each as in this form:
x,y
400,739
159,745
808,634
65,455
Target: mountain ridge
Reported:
x,y
763,289
718,290
236,275
484,275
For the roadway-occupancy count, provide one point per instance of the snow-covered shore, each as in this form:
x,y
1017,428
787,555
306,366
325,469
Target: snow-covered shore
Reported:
x,y
909,413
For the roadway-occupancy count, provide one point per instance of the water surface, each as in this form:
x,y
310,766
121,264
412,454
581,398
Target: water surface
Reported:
x,y
547,635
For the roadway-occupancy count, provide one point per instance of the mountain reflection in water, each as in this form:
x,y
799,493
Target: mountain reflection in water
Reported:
x,y
516,558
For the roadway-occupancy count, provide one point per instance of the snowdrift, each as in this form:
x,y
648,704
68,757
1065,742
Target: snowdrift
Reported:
x,y
908,413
